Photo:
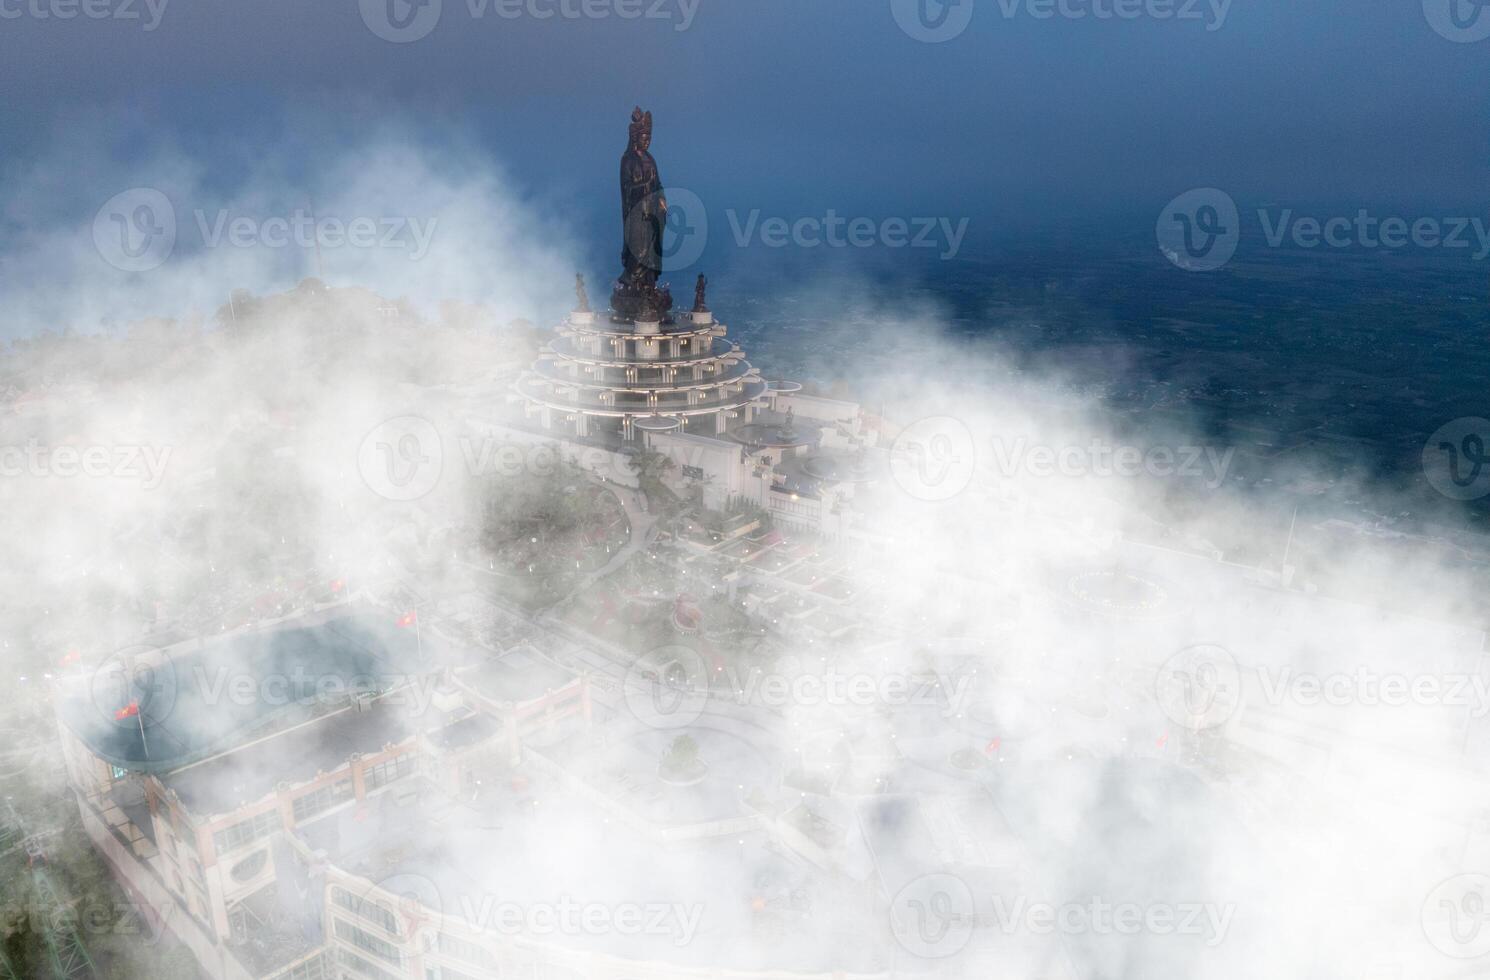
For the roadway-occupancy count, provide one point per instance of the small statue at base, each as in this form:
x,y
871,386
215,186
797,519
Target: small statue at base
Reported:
x,y
581,294
700,305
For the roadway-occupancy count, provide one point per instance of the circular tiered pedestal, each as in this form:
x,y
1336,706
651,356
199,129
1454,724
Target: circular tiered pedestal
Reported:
x,y
599,376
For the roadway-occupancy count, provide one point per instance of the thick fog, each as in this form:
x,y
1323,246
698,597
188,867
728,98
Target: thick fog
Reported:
x,y
1263,750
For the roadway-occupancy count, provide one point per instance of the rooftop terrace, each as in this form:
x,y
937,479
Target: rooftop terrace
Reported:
x,y
166,709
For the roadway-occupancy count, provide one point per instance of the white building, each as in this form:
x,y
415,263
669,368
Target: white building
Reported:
x,y
678,387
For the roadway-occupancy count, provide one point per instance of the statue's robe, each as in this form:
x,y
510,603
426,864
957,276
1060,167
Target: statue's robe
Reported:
x,y
642,217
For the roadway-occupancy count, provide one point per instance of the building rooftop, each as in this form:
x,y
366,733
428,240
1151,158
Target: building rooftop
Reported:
x,y
517,676
244,775
184,704
470,730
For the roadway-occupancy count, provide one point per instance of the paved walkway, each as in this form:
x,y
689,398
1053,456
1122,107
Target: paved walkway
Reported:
x,y
643,532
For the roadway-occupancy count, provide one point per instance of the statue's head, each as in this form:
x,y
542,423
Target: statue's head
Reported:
x,y
641,129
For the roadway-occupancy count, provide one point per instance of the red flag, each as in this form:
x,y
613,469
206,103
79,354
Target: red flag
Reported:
x,y
407,619
992,747
128,711
1162,739
71,657
337,585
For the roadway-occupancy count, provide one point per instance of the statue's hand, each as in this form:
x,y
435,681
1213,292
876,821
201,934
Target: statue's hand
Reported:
x,y
662,204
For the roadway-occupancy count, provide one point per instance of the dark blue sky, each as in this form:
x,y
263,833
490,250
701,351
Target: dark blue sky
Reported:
x,y
796,106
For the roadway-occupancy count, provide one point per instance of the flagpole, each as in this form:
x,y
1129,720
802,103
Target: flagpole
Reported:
x,y
140,717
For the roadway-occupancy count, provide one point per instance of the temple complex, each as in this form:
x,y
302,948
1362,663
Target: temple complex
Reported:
x,y
643,376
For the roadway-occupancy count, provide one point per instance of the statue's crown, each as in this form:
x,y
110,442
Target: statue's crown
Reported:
x,y
641,122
